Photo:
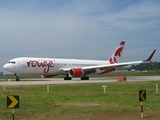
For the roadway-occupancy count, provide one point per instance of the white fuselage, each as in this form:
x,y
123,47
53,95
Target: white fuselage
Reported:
x,y
47,66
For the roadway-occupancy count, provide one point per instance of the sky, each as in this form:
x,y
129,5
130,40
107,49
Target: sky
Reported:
x,y
79,29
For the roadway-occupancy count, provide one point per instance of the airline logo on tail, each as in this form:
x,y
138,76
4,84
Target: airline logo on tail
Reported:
x,y
115,58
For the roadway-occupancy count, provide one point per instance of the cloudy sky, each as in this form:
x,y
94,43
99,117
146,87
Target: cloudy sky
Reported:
x,y
82,29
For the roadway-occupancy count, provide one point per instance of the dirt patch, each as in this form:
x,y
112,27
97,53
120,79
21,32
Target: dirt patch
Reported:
x,y
149,115
110,116
88,104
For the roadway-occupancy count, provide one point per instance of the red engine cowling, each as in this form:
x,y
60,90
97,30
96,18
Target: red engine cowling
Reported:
x,y
76,72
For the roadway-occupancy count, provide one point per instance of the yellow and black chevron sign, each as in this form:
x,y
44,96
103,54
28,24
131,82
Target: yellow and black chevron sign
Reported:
x,y
12,101
142,95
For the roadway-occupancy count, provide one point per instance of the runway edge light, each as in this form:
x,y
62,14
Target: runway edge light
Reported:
x,y
104,86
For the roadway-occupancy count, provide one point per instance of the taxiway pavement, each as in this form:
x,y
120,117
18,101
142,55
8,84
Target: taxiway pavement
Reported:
x,y
48,81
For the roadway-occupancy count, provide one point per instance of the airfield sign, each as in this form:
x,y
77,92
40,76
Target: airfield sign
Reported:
x,y
142,95
12,101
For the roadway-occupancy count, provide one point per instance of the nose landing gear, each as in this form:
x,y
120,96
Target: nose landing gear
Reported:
x,y
17,77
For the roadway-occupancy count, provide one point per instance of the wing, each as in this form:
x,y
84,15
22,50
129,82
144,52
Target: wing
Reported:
x,y
119,64
115,65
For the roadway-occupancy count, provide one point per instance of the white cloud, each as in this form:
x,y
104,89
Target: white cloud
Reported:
x,y
77,29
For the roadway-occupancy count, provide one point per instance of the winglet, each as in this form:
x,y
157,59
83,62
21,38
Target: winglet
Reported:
x,y
150,57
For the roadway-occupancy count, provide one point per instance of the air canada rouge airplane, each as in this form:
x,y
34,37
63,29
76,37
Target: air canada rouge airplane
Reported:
x,y
48,67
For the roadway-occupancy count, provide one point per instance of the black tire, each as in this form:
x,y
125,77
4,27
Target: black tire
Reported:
x,y
67,78
85,78
17,79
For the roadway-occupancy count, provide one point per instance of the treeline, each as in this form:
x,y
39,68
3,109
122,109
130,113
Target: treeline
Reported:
x,y
1,73
146,66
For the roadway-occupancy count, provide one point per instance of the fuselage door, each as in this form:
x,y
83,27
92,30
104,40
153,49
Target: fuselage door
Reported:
x,y
24,62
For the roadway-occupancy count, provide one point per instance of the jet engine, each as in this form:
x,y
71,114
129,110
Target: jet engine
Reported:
x,y
76,72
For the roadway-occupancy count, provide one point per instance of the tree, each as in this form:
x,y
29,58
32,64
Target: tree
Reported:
x,y
1,73
146,66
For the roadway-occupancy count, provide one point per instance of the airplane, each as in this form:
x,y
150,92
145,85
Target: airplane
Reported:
x,y
48,67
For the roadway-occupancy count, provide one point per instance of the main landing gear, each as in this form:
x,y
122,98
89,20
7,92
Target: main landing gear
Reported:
x,y
70,78
85,78
17,77
67,77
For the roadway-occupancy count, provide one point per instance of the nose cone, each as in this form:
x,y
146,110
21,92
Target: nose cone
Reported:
x,y
6,67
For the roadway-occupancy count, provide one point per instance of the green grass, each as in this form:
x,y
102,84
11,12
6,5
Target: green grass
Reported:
x,y
65,99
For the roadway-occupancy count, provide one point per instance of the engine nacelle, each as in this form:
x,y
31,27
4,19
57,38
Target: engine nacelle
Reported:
x,y
76,72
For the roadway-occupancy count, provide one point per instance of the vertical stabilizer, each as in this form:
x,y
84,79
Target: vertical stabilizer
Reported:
x,y
115,58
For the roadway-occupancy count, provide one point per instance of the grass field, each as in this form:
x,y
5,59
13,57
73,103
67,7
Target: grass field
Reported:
x,y
82,102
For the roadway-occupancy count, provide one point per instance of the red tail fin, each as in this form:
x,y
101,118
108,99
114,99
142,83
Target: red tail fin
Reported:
x,y
115,58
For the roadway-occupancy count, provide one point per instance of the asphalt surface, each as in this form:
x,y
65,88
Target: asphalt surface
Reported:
x,y
48,81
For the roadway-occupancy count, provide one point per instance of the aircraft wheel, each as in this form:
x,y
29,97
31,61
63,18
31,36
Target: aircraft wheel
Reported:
x,y
17,78
85,78
67,78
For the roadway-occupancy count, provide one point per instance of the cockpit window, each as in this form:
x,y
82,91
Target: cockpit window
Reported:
x,y
13,62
